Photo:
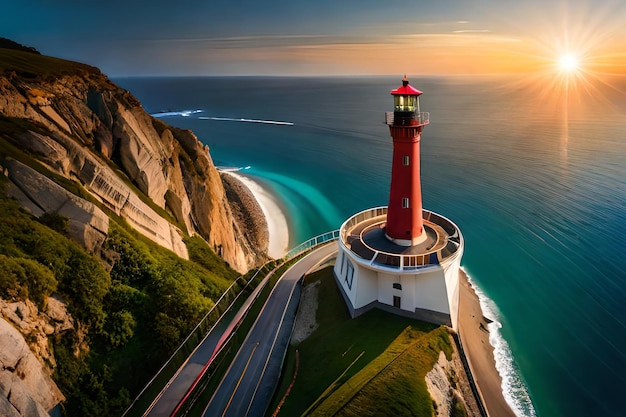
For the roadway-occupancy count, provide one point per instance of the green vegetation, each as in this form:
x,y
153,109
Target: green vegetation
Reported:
x,y
9,44
203,255
22,278
372,365
132,317
30,65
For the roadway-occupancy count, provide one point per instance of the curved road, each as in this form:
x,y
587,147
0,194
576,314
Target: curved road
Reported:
x,y
249,384
167,402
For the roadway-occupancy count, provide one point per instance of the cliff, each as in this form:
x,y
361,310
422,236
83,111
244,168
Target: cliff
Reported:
x,y
74,145
86,129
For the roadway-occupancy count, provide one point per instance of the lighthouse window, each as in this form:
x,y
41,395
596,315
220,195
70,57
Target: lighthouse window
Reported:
x,y
350,275
405,103
410,102
406,160
405,202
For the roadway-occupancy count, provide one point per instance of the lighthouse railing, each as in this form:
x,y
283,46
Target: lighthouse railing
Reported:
x,y
375,216
422,118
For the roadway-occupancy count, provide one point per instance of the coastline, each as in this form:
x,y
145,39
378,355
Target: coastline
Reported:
x,y
474,336
473,332
275,220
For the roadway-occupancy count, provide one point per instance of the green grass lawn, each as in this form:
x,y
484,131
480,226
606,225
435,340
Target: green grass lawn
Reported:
x,y
372,365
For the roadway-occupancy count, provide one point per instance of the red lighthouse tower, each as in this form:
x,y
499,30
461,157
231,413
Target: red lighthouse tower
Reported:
x,y
405,225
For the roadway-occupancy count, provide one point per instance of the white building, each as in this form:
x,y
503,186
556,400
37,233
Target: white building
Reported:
x,y
420,281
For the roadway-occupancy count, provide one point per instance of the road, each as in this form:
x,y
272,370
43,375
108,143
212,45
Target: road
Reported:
x,y
249,384
177,389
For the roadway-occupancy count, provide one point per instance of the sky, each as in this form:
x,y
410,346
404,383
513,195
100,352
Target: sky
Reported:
x,y
323,37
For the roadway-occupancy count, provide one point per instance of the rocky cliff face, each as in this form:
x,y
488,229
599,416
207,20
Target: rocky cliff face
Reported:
x,y
89,132
26,386
86,129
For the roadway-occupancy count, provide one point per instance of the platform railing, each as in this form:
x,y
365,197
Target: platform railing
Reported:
x,y
400,261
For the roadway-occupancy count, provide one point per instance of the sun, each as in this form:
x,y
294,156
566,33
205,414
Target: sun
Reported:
x,y
569,63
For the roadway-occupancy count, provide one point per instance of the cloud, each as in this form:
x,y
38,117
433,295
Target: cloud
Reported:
x,y
472,31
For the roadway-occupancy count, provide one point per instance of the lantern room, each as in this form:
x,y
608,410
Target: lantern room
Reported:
x,y
406,109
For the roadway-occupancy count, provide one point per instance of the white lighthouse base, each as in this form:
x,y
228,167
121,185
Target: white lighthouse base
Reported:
x,y
423,285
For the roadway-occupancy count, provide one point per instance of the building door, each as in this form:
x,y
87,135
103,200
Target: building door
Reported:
x,y
396,301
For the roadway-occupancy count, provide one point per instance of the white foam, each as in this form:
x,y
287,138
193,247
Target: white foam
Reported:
x,y
233,169
184,113
513,388
276,220
233,119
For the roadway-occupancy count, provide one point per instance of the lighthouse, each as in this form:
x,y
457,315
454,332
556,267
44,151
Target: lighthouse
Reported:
x,y
400,257
404,216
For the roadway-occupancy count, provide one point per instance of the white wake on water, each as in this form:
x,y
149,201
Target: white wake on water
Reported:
x,y
183,113
233,119
513,388
187,113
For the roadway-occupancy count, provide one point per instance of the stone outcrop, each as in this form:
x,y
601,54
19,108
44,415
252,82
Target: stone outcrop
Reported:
x,y
444,387
26,386
88,225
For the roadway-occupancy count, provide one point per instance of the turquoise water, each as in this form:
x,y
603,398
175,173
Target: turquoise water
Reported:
x,y
536,186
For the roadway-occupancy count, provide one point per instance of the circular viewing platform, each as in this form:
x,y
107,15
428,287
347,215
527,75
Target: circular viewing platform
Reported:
x,y
364,235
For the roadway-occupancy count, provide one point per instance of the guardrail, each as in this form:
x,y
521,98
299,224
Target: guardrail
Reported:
x,y
312,242
150,394
199,384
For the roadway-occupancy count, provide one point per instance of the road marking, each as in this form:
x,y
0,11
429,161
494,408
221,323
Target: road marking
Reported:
x,y
256,345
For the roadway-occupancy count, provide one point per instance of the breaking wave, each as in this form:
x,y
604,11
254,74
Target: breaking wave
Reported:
x,y
513,387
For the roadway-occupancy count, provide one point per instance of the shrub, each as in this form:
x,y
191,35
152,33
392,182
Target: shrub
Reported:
x,y
86,281
202,254
11,276
56,222
119,327
458,409
24,278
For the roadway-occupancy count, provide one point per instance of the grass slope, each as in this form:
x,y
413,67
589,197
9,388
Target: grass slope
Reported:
x,y
31,65
372,365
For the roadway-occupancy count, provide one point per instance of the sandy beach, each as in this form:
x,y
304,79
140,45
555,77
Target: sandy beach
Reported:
x,y
276,221
474,336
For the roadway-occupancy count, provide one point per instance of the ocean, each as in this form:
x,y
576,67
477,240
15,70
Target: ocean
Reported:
x,y
535,178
